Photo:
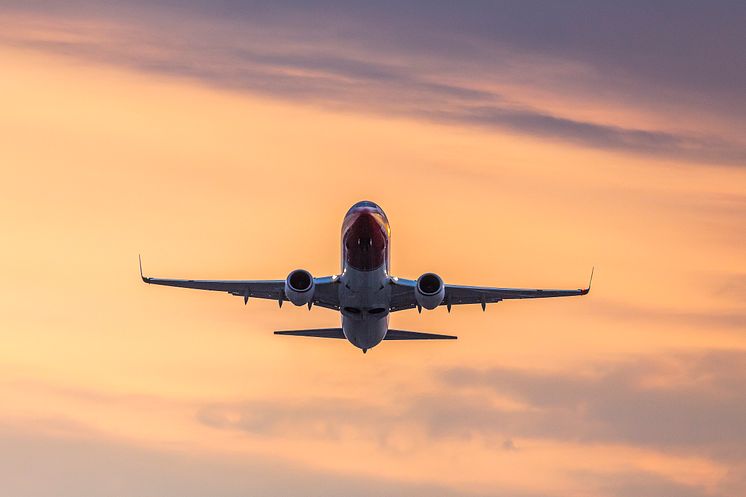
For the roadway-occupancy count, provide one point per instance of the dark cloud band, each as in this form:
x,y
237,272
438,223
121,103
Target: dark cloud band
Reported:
x,y
430,63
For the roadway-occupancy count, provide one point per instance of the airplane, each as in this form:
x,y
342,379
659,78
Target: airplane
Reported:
x,y
365,293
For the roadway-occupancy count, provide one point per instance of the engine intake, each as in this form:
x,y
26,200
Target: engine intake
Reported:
x,y
429,291
299,287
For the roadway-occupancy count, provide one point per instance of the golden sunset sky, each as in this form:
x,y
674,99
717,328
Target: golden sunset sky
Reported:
x,y
510,144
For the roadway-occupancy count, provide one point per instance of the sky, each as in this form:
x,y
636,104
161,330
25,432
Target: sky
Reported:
x,y
510,144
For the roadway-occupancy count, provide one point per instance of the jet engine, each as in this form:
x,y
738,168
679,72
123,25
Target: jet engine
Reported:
x,y
299,287
429,291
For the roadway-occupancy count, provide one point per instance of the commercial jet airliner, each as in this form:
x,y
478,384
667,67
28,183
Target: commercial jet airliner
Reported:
x,y
365,293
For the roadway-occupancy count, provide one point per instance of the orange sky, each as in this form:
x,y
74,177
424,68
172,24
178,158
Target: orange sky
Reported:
x,y
102,162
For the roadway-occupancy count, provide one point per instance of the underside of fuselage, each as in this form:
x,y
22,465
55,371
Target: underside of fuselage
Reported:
x,y
364,293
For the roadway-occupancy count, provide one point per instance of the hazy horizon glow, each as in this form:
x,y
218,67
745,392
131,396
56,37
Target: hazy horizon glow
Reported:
x,y
506,158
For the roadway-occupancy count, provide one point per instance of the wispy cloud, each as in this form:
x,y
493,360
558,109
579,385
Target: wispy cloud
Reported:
x,y
39,465
733,319
445,65
61,467
690,404
666,403
645,484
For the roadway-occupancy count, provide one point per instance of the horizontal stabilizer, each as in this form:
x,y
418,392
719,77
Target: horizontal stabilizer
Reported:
x,y
416,335
319,333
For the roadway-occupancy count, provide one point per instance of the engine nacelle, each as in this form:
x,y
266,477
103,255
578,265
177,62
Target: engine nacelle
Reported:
x,y
429,291
299,287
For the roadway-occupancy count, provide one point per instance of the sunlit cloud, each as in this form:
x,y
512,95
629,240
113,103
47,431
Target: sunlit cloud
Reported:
x,y
29,460
136,470
665,402
364,73
733,319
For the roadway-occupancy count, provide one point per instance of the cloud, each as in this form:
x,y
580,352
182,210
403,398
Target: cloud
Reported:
x,y
688,402
684,46
32,464
729,319
732,287
657,143
439,63
641,484
687,405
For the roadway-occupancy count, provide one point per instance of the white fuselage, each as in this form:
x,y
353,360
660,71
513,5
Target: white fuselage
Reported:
x,y
364,297
365,292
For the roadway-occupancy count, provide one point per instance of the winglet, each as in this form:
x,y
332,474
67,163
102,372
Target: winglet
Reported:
x,y
145,279
585,291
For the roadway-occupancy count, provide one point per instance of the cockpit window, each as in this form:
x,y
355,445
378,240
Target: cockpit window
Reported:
x,y
366,203
372,208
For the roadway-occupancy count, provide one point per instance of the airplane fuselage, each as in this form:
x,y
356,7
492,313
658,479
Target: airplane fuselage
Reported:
x,y
365,293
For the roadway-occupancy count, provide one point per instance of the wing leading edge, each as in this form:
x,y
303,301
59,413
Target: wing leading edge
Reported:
x,y
326,293
403,297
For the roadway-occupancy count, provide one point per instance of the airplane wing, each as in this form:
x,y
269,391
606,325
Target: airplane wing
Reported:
x,y
325,295
403,297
